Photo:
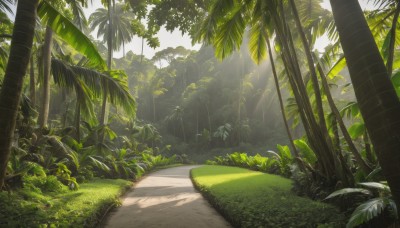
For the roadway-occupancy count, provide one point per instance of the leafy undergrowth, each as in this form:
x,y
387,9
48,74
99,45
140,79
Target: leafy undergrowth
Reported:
x,y
82,208
254,199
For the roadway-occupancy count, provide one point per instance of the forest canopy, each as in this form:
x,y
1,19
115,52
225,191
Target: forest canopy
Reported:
x,y
259,86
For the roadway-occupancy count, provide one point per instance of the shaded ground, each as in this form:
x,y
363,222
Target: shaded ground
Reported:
x,y
166,198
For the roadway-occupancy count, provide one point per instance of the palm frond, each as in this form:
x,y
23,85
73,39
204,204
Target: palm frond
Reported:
x,y
70,33
347,191
367,211
209,26
114,83
258,42
230,35
79,16
65,76
5,5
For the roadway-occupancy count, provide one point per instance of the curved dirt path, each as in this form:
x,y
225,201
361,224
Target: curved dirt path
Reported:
x,y
166,198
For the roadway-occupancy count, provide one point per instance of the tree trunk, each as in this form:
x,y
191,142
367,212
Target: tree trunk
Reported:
x,y
141,53
363,165
45,104
389,64
208,118
336,138
376,96
20,52
154,108
78,120
104,107
329,164
313,132
311,67
281,105
32,82
368,149
183,129
197,125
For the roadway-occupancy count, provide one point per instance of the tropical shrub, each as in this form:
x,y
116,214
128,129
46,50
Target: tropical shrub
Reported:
x,y
257,162
284,159
43,184
379,203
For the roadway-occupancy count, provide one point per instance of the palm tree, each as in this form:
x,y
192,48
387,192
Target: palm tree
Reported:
x,y
45,104
377,98
21,45
317,90
122,32
119,33
89,83
57,23
224,28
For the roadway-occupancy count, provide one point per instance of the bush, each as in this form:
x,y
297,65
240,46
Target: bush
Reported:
x,y
82,208
43,184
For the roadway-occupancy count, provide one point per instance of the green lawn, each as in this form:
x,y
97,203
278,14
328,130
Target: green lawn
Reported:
x,y
82,208
253,199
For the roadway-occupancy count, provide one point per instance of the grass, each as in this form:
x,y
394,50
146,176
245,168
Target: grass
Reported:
x,y
82,208
253,199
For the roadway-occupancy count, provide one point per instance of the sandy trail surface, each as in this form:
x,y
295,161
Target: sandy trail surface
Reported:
x,y
165,198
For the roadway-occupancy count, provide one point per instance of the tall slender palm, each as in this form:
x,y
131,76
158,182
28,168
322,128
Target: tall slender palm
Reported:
x,y
318,96
45,104
21,45
32,82
59,24
116,35
377,98
122,31
224,28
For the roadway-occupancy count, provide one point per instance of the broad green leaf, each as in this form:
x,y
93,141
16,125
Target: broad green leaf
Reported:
x,y
258,42
306,152
375,185
230,35
284,151
346,191
357,130
396,82
350,110
65,29
367,211
337,68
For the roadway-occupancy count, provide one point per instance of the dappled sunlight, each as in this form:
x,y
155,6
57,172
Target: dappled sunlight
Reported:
x,y
222,178
156,202
178,200
288,88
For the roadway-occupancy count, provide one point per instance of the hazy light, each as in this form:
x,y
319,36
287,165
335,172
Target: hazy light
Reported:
x,y
324,41
166,39
365,5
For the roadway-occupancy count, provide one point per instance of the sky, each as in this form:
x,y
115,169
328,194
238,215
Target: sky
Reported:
x,y
176,38
323,41
166,39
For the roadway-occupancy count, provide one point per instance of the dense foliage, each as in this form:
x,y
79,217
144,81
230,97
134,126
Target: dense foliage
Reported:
x,y
83,113
52,205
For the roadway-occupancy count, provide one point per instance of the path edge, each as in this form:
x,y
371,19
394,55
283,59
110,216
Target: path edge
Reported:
x,y
213,201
